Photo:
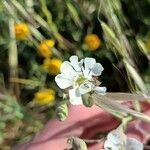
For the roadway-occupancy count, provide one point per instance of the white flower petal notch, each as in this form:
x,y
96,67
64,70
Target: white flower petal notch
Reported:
x,y
80,77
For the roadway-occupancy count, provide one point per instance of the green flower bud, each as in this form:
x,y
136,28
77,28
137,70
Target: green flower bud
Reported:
x,y
77,143
87,100
62,111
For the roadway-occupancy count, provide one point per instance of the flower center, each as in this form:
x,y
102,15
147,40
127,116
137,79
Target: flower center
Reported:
x,y
80,80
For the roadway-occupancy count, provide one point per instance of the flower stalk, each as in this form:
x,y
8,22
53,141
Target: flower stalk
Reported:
x,y
116,108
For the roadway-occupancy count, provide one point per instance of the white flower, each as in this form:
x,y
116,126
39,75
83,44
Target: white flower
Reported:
x,y
80,77
117,140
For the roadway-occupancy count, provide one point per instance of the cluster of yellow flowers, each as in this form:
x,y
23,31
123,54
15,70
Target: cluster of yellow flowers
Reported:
x,y
51,65
45,97
44,49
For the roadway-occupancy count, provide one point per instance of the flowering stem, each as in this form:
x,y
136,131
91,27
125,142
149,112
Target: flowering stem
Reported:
x,y
105,107
118,115
136,105
113,107
125,122
92,140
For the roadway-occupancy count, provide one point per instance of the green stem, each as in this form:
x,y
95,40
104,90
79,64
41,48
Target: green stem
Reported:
x,y
116,114
53,27
29,4
13,57
125,122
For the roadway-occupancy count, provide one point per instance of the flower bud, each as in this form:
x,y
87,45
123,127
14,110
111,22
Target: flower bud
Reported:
x,y
62,111
87,100
77,143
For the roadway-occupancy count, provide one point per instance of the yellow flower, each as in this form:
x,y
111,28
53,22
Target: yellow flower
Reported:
x,y
92,41
52,65
22,31
45,96
45,48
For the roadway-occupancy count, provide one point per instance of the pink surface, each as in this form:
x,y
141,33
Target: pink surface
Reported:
x,y
85,123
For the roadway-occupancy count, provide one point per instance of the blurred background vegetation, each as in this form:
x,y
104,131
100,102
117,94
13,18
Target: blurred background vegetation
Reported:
x,y
37,36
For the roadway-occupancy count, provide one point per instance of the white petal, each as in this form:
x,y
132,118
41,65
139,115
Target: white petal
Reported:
x,y
86,87
133,144
110,146
62,82
68,70
100,90
116,137
89,62
88,65
74,58
96,69
113,137
81,63
75,63
75,97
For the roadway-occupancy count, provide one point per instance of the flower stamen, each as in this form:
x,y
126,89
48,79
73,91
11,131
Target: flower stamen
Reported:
x,y
80,80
